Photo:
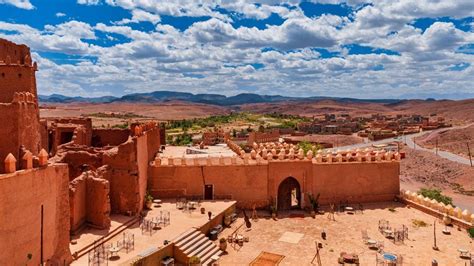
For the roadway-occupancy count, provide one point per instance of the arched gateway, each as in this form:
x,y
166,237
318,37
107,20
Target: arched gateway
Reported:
x,y
289,194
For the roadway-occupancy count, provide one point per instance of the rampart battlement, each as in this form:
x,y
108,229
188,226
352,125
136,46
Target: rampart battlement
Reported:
x,y
263,158
27,161
12,53
289,152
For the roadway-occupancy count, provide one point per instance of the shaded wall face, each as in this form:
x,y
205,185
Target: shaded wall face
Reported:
x,y
77,200
123,172
111,137
142,163
246,184
21,197
98,202
154,141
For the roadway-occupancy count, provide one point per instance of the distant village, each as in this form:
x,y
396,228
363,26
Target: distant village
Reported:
x,y
375,127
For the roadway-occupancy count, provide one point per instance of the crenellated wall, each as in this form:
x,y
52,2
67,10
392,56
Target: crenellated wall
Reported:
x,y
256,181
21,195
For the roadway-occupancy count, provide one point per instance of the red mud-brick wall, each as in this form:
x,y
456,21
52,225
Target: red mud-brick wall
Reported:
x,y
113,137
141,143
21,196
77,200
257,184
154,142
123,172
247,184
89,200
22,128
98,202
356,182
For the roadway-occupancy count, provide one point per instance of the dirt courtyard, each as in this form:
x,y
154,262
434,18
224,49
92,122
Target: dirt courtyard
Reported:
x,y
295,238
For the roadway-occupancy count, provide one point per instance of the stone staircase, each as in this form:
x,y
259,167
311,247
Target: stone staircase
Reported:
x,y
194,243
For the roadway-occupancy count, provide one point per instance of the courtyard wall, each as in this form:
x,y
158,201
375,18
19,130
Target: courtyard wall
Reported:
x,y
257,183
21,195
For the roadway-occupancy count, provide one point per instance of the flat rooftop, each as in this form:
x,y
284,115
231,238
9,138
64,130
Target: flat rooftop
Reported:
x,y
295,238
212,151
180,222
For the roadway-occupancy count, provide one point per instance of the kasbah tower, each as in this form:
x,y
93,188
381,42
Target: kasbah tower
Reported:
x,y
20,129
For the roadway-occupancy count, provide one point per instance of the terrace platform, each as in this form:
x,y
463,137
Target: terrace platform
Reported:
x,y
213,151
180,222
292,238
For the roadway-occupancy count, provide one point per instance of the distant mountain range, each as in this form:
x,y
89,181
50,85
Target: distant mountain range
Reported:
x,y
215,99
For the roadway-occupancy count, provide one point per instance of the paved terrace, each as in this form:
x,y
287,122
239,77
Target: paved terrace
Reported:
x,y
180,221
213,151
295,238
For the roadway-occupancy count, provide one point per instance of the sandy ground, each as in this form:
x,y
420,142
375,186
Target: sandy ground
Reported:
x,y
344,234
160,111
424,169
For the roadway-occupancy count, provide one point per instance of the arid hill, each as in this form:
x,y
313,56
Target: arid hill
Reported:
x,y
454,140
424,169
457,110
310,108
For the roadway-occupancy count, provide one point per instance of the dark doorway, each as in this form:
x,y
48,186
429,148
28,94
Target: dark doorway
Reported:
x,y
208,192
289,195
66,137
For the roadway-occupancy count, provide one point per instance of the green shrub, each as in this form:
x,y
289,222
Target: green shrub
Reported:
x,y
470,231
419,223
436,194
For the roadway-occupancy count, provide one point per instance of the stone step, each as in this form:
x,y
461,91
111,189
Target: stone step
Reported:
x,y
205,253
184,235
186,239
200,250
194,244
207,260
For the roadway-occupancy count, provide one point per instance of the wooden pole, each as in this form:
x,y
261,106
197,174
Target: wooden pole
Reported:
x,y
435,247
41,237
469,152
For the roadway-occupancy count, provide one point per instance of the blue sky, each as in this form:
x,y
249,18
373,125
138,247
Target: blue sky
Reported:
x,y
353,48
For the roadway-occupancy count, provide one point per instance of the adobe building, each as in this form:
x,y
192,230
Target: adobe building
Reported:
x,y
34,201
107,168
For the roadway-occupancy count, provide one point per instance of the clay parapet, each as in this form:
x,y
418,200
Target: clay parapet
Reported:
x,y
27,161
463,217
